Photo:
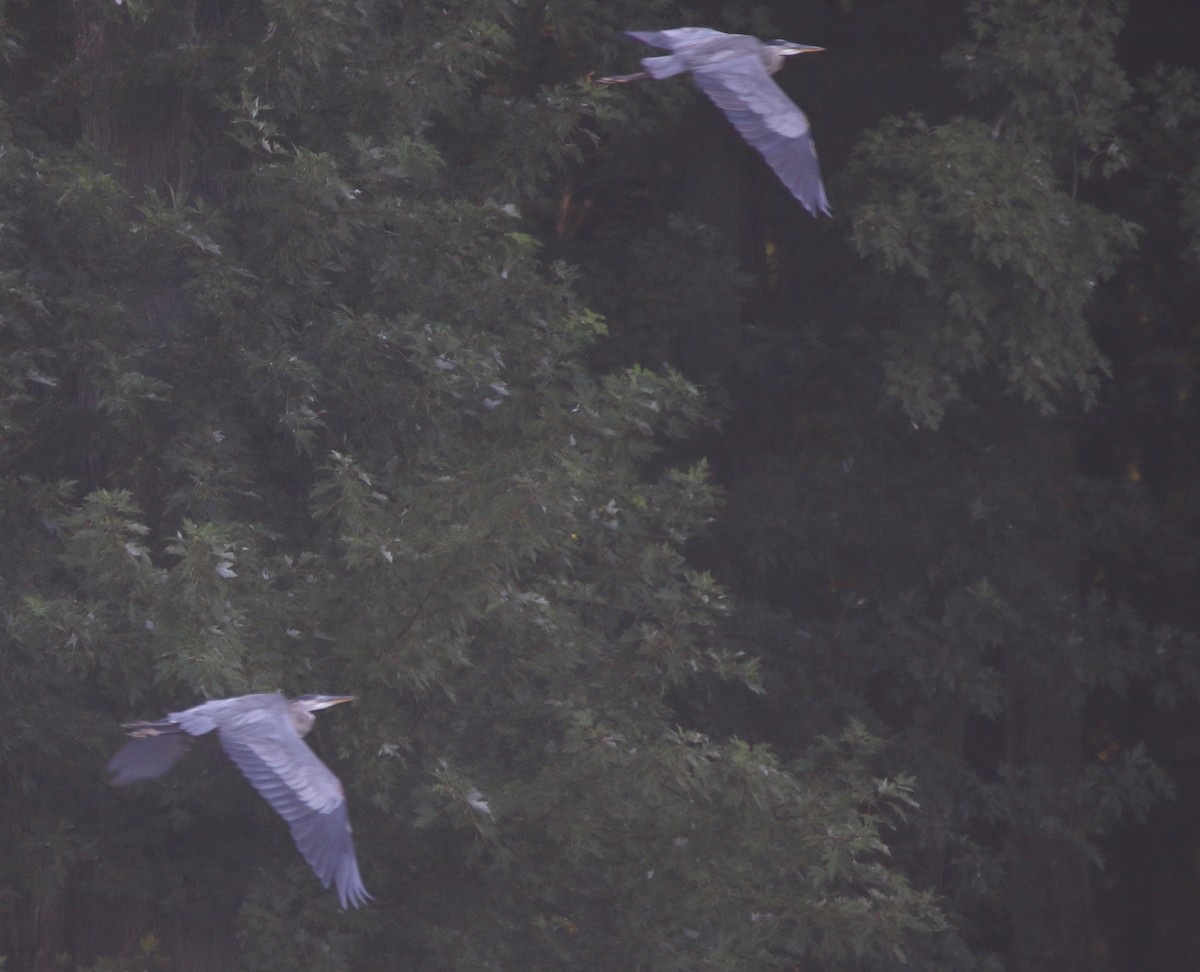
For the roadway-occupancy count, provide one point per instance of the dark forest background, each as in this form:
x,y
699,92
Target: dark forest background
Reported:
x,y
721,588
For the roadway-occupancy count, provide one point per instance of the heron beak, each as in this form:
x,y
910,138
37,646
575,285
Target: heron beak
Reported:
x,y
788,48
325,701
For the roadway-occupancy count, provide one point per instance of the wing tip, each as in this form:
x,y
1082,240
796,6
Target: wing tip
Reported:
x,y
354,897
350,890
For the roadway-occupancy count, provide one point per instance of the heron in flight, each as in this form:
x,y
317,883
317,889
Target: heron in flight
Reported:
x,y
735,70
262,734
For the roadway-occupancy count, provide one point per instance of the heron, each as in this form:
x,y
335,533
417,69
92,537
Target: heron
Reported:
x,y
735,70
262,734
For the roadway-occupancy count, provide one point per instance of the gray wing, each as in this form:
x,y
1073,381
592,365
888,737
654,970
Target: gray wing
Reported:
x,y
302,790
218,713
768,120
688,43
678,38
147,758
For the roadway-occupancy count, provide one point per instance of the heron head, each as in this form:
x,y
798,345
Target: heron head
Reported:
x,y
314,703
786,47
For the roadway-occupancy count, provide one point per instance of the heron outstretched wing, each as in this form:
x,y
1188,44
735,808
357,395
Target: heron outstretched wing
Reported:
x,y
689,46
678,38
278,763
770,121
147,758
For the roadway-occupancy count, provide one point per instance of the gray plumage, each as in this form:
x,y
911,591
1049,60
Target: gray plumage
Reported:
x,y
734,71
262,734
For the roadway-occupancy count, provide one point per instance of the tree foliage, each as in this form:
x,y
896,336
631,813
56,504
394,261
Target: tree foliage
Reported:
x,y
720,589
294,400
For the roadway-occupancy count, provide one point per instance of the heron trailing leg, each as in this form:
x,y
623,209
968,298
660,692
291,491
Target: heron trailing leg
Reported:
x,y
624,78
